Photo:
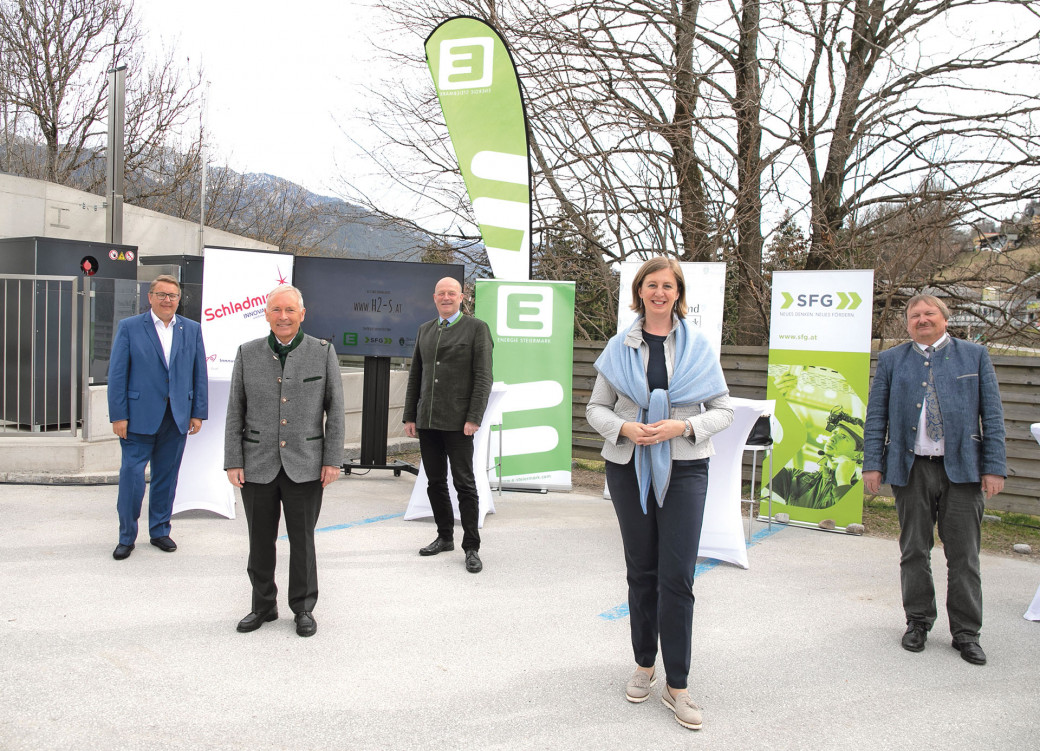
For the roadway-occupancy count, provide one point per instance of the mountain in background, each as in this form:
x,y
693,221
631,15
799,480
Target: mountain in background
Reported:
x,y
257,205
278,211
322,225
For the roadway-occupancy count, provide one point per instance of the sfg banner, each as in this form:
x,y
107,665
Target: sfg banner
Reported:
x,y
532,324
819,370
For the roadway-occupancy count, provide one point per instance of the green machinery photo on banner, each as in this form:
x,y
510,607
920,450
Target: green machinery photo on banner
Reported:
x,y
532,324
480,97
819,373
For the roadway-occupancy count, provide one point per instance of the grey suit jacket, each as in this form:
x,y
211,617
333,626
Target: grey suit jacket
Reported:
x,y
291,418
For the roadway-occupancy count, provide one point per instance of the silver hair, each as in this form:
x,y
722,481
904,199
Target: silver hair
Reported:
x,y
286,288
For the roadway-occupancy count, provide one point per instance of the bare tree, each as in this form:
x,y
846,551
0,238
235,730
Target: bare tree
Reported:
x,y
678,126
889,96
629,108
54,88
563,257
55,52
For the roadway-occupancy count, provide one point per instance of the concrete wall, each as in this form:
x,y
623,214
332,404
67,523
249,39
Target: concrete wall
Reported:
x,y
36,208
94,455
99,427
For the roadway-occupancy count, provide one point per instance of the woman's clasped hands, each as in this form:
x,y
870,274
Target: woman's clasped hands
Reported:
x,y
642,434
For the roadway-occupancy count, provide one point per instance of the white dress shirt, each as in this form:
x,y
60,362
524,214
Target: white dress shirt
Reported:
x,y
165,335
923,445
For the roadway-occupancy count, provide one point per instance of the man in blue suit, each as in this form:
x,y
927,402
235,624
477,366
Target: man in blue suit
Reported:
x,y
157,393
935,433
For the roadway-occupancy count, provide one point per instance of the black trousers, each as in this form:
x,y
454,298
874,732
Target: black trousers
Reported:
x,y
438,448
263,503
660,557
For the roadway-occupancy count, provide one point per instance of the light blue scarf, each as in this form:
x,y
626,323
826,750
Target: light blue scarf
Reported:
x,y
696,377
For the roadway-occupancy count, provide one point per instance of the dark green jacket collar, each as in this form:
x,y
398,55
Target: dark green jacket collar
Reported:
x,y
282,350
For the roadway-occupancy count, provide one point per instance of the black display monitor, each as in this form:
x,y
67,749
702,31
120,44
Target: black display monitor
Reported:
x,y
369,308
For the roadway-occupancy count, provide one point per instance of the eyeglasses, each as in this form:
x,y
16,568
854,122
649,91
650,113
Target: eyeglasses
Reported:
x,y
165,296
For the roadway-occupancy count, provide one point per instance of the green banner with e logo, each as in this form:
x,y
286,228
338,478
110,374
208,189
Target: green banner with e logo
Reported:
x,y
532,324
480,97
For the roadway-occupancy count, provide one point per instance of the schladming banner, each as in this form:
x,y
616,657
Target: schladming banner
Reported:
x,y
819,368
479,93
235,284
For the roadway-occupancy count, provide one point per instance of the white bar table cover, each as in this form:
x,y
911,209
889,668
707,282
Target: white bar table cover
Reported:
x,y
202,482
722,534
419,503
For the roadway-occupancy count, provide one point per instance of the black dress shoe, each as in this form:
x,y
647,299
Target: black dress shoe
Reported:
x,y
970,652
164,544
440,545
255,620
473,564
305,625
122,551
915,637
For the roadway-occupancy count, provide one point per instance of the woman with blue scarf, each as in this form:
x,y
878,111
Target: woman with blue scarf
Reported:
x,y
659,397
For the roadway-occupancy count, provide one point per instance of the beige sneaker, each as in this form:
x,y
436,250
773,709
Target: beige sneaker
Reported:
x,y
686,712
639,685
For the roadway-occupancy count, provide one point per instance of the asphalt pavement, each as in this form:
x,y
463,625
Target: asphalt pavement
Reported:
x,y
801,651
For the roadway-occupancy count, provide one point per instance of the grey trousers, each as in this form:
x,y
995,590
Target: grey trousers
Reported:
x,y
929,498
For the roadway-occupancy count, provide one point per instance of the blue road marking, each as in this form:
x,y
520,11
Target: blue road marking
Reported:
x,y
348,525
621,611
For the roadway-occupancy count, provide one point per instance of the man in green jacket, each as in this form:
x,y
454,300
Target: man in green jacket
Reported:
x,y
448,388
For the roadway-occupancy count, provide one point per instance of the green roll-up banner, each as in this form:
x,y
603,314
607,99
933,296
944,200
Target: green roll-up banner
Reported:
x,y
532,324
479,92
819,370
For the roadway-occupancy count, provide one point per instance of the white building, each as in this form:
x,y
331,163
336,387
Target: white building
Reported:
x,y
36,208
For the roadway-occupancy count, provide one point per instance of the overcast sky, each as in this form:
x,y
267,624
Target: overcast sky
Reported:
x,y
282,74
278,74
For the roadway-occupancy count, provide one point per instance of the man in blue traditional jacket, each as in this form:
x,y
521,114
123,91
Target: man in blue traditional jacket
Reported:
x,y
935,432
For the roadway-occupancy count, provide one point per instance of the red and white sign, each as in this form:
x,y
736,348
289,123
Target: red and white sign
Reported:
x,y
235,285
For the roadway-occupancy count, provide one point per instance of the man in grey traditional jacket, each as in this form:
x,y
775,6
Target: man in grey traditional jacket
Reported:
x,y
283,445
448,388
